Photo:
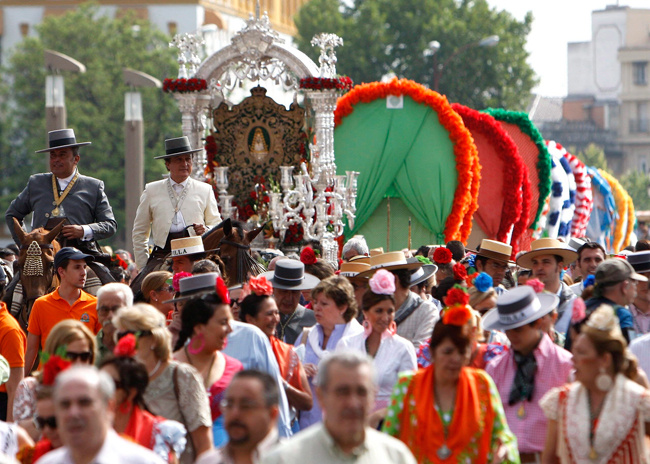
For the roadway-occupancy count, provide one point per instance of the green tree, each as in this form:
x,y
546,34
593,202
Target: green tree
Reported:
x,y
637,183
594,155
94,100
384,36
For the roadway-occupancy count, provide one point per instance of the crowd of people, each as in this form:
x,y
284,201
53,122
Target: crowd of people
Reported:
x,y
435,355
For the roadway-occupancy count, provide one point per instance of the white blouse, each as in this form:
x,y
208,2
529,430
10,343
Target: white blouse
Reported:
x,y
395,354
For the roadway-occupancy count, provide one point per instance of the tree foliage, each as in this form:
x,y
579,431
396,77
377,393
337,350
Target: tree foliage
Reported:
x,y
94,100
594,156
384,36
637,183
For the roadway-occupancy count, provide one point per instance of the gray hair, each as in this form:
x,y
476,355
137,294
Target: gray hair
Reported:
x,y
356,243
116,288
89,375
349,359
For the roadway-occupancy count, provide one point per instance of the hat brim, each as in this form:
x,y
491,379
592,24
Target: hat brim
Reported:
x,y
393,267
639,277
80,144
497,257
196,253
307,283
526,260
189,297
547,301
429,270
177,154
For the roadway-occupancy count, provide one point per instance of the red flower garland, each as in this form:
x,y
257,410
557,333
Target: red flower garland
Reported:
x,y
323,83
457,225
184,85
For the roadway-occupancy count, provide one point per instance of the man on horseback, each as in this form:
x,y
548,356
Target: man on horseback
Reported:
x,y
64,193
169,207
68,301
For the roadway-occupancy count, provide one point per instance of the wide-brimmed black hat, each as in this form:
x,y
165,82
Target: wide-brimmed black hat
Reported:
x,y
640,261
62,138
176,147
193,286
423,273
290,274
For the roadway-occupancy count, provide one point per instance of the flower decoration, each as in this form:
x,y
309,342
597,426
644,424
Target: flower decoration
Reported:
x,y
184,85
382,283
589,281
603,318
222,291
260,286
460,273
457,315
308,256
537,285
52,367
423,259
457,295
483,282
177,277
579,312
322,83
126,346
442,255
116,261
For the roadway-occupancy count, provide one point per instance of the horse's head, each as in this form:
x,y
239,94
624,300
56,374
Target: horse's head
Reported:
x,y
36,259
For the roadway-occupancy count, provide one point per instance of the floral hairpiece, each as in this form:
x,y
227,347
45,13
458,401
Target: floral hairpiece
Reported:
x,y
457,311
442,255
604,319
589,281
308,256
177,277
423,259
483,282
53,365
460,273
126,346
579,312
116,260
222,291
537,285
260,286
382,283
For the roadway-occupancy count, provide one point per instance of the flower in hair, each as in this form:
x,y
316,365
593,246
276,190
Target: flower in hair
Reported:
x,y
579,312
537,285
308,256
603,318
442,255
460,273
382,283
456,315
126,346
457,296
177,277
483,282
423,259
222,291
52,367
260,286
589,281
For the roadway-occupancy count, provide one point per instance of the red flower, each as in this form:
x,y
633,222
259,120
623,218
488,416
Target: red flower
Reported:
x,y
177,277
442,255
125,348
52,367
307,255
222,291
460,273
537,285
260,286
458,316
457,296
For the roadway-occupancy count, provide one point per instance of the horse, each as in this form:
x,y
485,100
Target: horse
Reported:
x,y
36,276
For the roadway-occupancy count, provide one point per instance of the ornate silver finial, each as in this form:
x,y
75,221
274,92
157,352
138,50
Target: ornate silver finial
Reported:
x,y
327,59
257,9
188,53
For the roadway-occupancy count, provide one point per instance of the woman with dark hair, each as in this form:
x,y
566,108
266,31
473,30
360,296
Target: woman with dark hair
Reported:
x,y
132,417
315,266
335,309
392,354
260,309
447,412
602,417
205,323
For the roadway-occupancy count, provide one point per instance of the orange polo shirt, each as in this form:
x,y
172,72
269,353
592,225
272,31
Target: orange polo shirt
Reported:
x,y
51,309
12,340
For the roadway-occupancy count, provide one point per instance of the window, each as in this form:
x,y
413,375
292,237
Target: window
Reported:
x,y
640,72
172,27
24,29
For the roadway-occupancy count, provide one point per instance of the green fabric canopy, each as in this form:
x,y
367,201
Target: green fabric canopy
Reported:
x,y
403,153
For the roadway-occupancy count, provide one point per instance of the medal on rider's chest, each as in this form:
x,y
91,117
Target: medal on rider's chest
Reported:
x,y
592,454
55,211
521,412
443,452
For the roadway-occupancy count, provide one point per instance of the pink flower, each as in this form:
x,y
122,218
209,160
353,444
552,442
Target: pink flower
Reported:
x,y
177,277
537,285
579,311
382,283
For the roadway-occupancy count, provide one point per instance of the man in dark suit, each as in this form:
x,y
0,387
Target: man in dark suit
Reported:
x,y
64,193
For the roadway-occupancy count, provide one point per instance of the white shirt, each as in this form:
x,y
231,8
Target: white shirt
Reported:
x,y
395,354
640,347
114,450
63,183
178,188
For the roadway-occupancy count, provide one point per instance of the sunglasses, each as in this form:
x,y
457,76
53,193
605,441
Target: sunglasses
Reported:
x,y
41,422
84,356
168,288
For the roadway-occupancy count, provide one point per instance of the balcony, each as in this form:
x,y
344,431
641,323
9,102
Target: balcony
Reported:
x,y
639,126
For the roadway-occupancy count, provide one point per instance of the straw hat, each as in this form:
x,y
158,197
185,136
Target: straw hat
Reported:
x,y
187,246
497,251
547,246
351,270
391,261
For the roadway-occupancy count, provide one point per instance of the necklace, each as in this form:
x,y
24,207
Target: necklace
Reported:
x,y
155,369
177,201
59,199
207,374
593,416
283,326
444,452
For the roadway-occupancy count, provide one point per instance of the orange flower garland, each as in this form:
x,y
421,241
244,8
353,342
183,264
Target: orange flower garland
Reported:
x,y
458,225
630,218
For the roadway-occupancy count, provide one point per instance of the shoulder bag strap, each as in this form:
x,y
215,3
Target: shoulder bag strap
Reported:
x,y
180,408
408,311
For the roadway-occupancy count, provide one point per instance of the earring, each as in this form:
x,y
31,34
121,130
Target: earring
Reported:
x,y
194,339
604,381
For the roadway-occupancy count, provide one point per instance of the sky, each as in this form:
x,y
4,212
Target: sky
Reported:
x,y
556,23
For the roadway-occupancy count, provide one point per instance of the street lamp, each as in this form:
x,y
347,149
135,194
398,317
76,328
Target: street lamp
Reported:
x,y
434,46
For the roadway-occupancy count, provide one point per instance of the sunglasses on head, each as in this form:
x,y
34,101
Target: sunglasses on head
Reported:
x,y
41,422
84,356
